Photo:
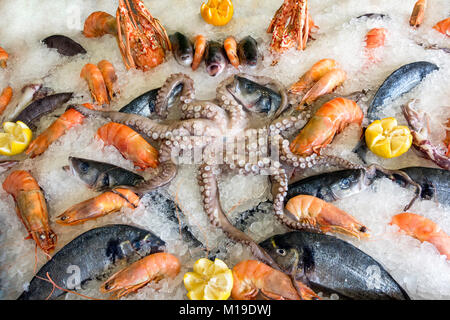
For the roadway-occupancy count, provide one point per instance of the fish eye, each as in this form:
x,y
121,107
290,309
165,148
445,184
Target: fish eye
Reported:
x,y
84,167
344,184
281,252
105,181
249,87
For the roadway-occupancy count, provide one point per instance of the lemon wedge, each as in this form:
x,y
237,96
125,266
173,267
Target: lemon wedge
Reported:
x,y
217,12
209,280
15,138
387,139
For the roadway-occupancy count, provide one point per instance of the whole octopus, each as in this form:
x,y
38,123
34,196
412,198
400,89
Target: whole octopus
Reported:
x,y
216,127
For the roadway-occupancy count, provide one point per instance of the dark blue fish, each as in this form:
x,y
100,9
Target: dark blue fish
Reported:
x,y
144,105
40,107
91,255
101,176
401,81
328,264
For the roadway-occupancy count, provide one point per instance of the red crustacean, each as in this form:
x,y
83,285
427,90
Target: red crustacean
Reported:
x,y
130,144
31,208
331,118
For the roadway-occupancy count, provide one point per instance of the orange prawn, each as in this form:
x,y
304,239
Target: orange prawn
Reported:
x,y
319,213
110,78
5,98
153,267
3,57
57,129
374,39
101,205
253,279
94,78
331,118
200,47
423,229
130,144
443,27
317,71
326,84
98,24
418,13
230,46
31,208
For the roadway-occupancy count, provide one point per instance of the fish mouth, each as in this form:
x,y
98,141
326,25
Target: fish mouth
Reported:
x,y
186,59
214,69
70,168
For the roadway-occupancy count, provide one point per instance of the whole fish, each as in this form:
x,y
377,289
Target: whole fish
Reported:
x,y
325,263
332,186
64,45
38,108
401,81
253,96
182,49
144,105
101,176
248,51
175,215
215,60
89,256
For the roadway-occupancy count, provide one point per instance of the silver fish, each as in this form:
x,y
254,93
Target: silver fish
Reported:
x,y
326,263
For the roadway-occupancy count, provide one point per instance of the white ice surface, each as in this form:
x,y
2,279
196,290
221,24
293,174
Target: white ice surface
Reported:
x,y
416,266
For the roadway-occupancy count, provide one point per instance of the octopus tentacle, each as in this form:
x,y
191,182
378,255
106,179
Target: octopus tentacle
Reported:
x,y
167,171
237,114
154,129
279,191
291,159
211,204
390,173
337,161
205,110
186,96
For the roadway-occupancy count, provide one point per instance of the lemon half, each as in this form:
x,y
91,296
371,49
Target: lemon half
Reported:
x,y
209,280
387,139
15,138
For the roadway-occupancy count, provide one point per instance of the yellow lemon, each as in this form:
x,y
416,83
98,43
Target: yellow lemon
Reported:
x,y
209,280
15,138
217,12
387,139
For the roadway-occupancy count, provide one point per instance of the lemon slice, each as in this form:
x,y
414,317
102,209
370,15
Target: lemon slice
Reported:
x,y
15,138
209,280
387,139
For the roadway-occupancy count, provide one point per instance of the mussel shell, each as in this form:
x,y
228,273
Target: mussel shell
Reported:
x,y
64,45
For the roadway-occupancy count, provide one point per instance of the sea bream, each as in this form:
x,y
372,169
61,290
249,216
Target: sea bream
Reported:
x,y
328,264
91,255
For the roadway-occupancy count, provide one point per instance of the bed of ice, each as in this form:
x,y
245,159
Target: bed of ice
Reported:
x,y
418,267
